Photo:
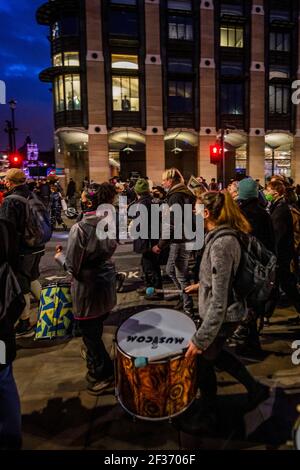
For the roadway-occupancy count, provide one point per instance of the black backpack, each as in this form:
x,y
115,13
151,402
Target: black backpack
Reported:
x,y
38,229
255,278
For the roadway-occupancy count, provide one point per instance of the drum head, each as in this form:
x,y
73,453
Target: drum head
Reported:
x,y
155,332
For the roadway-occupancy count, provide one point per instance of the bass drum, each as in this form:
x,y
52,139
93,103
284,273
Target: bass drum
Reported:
x,y
163,388
55,316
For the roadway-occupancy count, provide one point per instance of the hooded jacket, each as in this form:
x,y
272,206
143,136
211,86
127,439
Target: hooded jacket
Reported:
x,y
88,259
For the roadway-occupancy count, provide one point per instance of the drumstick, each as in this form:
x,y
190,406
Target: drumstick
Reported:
x,y
151,291
144,361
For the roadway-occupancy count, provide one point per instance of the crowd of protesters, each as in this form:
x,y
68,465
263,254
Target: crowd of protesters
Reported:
x,y
270,213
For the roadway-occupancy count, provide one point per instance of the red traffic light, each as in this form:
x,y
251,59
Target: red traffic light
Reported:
x,y
215,153
15,160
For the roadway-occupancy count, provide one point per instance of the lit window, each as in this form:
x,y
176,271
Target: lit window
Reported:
x,y
71,59
180,5
57,60
180,99
122,61
279,99
67,93
181,27
232,98
67,59
232,36
125,91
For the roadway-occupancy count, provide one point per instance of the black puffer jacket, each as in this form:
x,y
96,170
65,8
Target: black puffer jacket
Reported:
x,y
260,221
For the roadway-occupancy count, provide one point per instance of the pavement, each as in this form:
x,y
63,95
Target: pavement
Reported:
x,y
59,414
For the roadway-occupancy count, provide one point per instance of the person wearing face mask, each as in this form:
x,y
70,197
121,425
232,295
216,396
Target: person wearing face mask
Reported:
x,y
219,309
282,222
27,273
93,289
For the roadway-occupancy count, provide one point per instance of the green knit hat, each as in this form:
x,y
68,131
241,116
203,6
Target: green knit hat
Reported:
x,y
248,189
142,186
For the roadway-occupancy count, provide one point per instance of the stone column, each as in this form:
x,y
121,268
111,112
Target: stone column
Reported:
x,y
155,147
99,169
207,135
256,149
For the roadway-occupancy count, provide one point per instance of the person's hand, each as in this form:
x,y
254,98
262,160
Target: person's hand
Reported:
x,y
192,351
58,251
156,250
192,289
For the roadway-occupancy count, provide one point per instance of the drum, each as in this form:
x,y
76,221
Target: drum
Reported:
x,y
167,384
55,316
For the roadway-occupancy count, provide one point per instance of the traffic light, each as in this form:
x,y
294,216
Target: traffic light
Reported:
x,y
215,153
15,160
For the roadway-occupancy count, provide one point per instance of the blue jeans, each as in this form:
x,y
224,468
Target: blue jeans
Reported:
x,y
10,411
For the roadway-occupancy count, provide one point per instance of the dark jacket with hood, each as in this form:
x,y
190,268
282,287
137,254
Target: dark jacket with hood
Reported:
x,y
14,210
88,259
180,195
260,222
142,245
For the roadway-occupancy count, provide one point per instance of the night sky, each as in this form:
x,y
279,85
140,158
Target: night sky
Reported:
x,y
24,52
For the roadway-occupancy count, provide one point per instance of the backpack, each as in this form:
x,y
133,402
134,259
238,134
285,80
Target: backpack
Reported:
x,y
38,229
255,278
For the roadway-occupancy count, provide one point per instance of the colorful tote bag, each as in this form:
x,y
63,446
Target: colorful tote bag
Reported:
x,y
55,317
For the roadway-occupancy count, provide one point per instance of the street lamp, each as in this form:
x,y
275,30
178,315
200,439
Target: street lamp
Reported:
x,y
13,104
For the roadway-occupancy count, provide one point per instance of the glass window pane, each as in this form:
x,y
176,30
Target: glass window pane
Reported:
x,y
180,97
69,26
124,2
61,94
180,28
279,71
72,89
276,14
231,8
123,61
239,38
233,69
180,65
224,37
125,93
272,99
272,41
232,99
57,60
71,59
180,5
56,30
123,23
286,40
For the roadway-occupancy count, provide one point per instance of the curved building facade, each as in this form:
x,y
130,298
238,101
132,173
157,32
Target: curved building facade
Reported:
x,y
140,85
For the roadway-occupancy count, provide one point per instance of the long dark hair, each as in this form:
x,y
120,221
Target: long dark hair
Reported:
x,y
98,194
